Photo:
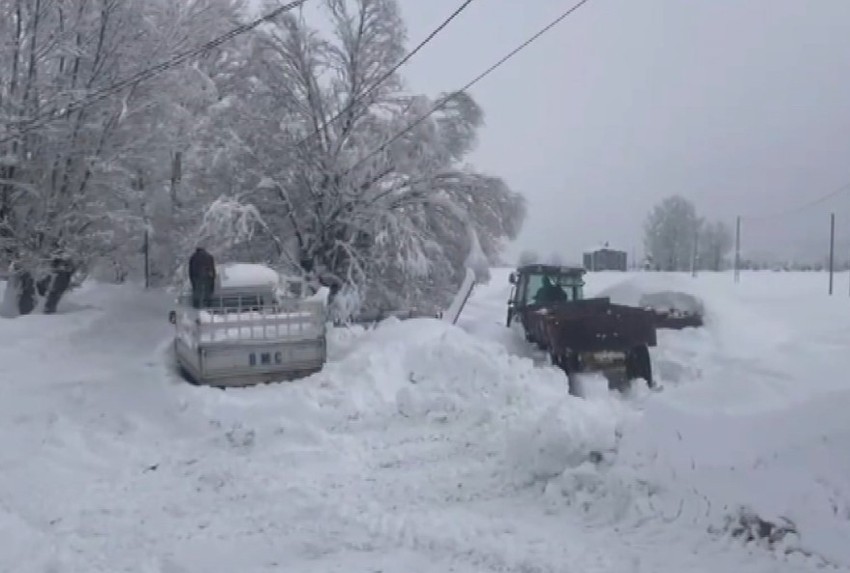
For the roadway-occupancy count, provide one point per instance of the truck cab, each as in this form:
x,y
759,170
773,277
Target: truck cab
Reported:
x,y
529,280
253,328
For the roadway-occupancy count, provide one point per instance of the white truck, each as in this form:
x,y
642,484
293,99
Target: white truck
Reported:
x,y
255,328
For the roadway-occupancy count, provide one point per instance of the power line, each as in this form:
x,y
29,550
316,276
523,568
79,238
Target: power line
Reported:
x,y
386,75
807,205
176,60
443,102
43,118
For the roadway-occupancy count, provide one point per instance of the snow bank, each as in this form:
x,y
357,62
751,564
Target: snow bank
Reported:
x,y
786,465
426,371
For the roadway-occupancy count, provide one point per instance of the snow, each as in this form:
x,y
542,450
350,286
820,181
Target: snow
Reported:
x,y
428,447
242,275
604,246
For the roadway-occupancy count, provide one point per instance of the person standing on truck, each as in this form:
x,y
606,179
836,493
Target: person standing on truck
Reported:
x,y
202,276
549,293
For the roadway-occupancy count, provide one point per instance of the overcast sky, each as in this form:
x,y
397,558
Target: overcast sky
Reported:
x,y
742,106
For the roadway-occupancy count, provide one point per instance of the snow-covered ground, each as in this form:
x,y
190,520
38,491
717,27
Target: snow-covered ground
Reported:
x,y
424,447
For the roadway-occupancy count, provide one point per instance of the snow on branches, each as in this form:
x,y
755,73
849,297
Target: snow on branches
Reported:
x,y
284,145
396,216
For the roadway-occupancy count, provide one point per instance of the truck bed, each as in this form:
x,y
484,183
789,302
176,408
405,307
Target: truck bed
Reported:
x,y
301,321
590,325
239,347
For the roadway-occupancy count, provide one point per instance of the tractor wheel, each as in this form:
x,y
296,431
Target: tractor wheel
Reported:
x,y
639,365
571,367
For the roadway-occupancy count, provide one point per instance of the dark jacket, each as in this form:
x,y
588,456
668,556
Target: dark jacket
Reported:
x,y
202,267
549,293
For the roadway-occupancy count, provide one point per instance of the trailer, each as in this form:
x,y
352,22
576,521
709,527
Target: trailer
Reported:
x,y
249,331
581,335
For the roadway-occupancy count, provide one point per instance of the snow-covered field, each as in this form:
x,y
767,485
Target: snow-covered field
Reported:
x,y
424,447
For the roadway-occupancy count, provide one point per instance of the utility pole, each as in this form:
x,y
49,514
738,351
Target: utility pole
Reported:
x,y
176,177
694,254
146,245
147,250
738,249
831,250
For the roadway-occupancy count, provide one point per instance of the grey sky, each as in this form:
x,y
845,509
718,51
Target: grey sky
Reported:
x,y
742,106
739,105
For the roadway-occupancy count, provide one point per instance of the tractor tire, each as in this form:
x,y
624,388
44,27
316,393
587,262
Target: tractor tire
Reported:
x,y
569,364
639,365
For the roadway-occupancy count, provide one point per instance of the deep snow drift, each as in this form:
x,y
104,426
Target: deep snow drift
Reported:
x,y
428,447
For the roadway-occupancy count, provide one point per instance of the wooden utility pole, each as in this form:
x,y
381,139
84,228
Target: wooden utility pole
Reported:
x,y
738,249
695,253
831,251
176,177
147,249
146,243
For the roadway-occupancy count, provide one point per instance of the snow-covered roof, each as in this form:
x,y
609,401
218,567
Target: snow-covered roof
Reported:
x,y
246,275
603,247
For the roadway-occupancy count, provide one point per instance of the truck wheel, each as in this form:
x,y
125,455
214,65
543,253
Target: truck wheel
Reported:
x,y
639,365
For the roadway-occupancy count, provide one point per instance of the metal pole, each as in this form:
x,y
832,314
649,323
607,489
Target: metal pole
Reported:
x,y
694,254
831,251
738,249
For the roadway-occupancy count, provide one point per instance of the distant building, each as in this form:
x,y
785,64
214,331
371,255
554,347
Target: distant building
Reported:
x,y
604,258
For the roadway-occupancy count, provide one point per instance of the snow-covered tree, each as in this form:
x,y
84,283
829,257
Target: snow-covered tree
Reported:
x,y
82,149
715,242
280,146
669,233
310,139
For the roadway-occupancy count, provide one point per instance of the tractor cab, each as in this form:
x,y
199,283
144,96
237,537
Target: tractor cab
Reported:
x,y
538,285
